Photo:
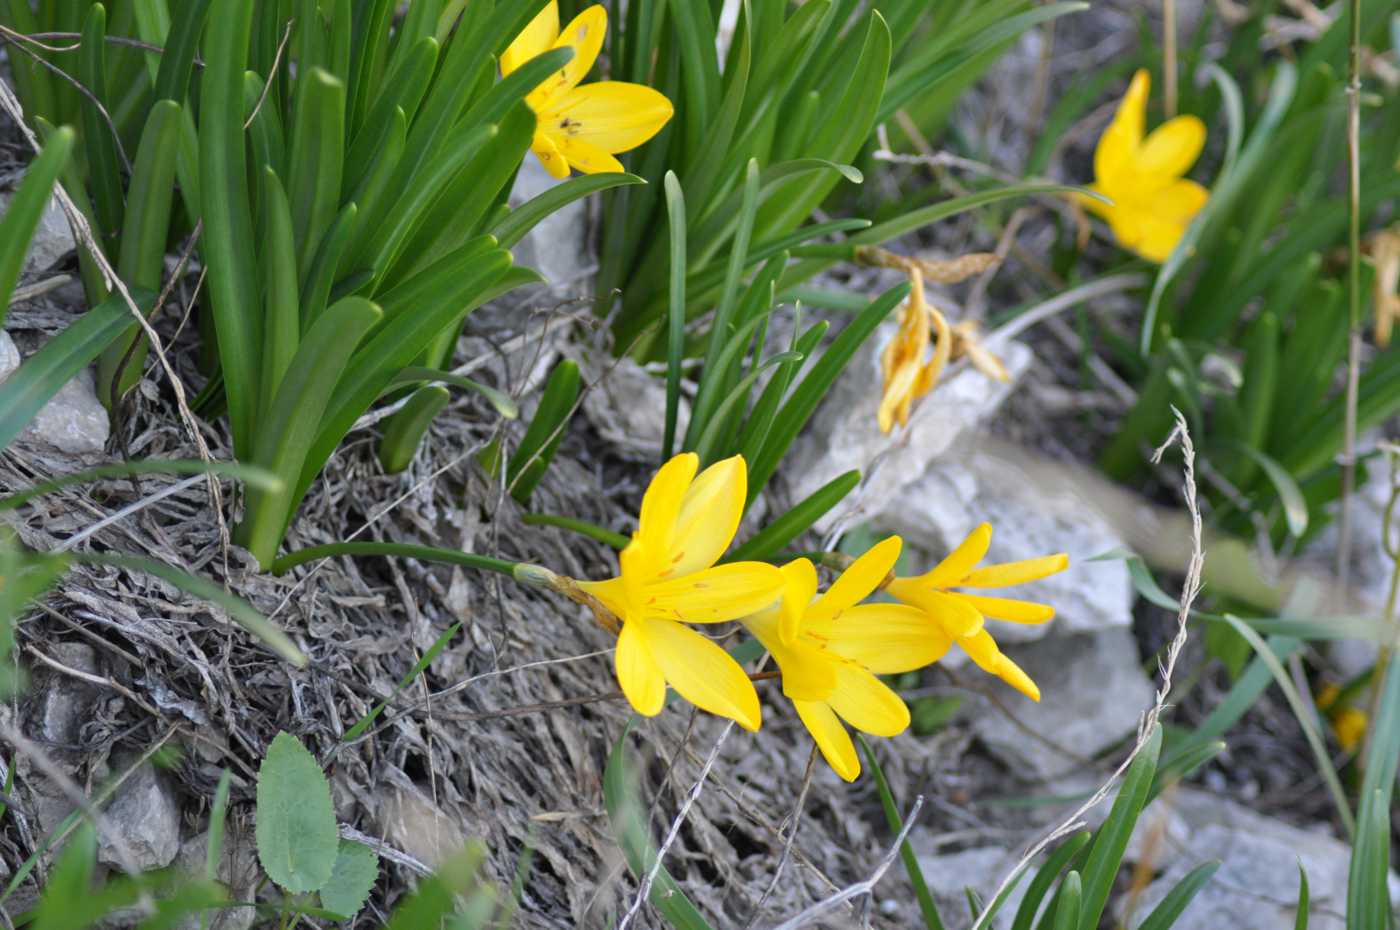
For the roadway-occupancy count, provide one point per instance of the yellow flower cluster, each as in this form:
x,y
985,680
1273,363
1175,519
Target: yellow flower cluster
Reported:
x,y
830,647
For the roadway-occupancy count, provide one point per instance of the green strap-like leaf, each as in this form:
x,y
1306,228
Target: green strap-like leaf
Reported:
x,y
25,209
43,374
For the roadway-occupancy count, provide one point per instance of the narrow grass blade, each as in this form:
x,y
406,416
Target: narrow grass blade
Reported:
x,y
419,667
582,527
99,143
44,373
629,824
771,540
537,447
675,329
1368,894
512,227
398,550
228,243
240,610
927,906
1165,914
1069,906
1045,878
26,207
251,475
1111,840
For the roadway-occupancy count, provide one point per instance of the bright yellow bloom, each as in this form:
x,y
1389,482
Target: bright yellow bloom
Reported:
x,y
961,615
1152,203
669,578
830,649
583,127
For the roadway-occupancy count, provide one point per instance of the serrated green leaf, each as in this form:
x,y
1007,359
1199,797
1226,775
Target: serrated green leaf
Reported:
x,y
296,830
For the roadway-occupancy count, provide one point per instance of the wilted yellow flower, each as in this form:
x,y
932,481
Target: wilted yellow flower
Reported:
x,y
583,127
962,616
1152,202
830,648
907,376
669,578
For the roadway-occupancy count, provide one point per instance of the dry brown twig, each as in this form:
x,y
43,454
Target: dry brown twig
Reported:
x,y
1191,587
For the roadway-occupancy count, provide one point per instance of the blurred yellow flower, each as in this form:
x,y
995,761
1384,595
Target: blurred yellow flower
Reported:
x,y
1348,722
907,376
669,578
961,615
582,127
830,648
1152,203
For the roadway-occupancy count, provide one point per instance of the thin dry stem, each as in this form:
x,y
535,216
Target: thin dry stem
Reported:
x,y
1191,587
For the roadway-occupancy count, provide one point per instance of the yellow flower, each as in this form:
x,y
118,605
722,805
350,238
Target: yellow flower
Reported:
x,y
1348,722
961,615
1152,202
582,127
907,376
669,578
830,649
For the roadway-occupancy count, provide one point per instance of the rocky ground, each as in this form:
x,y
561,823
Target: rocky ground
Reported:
x,y
139,691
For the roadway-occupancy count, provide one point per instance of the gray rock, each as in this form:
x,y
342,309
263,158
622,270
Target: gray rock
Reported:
x,y
1256,887
9,355
1092,690
949,875
628,406
67,702
53,238
410,821
237,871
146,816
558,247
843,435
74,421
935,514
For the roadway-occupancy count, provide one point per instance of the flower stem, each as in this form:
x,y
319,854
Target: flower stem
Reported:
x,y
404,550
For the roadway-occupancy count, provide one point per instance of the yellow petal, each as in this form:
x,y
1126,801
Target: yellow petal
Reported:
x,y
982,649
942,351
961,560
709,517
661,506
534,40
637,671
1004,608
613,594
1172,148
867,703
1115,158
549,155
888,638
703,673
584,35
1180,201
1013,675
809,673
799,587
859,580
954,615
830,736
607,116
1153,237
1011,573
898,395
725,592
588,159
